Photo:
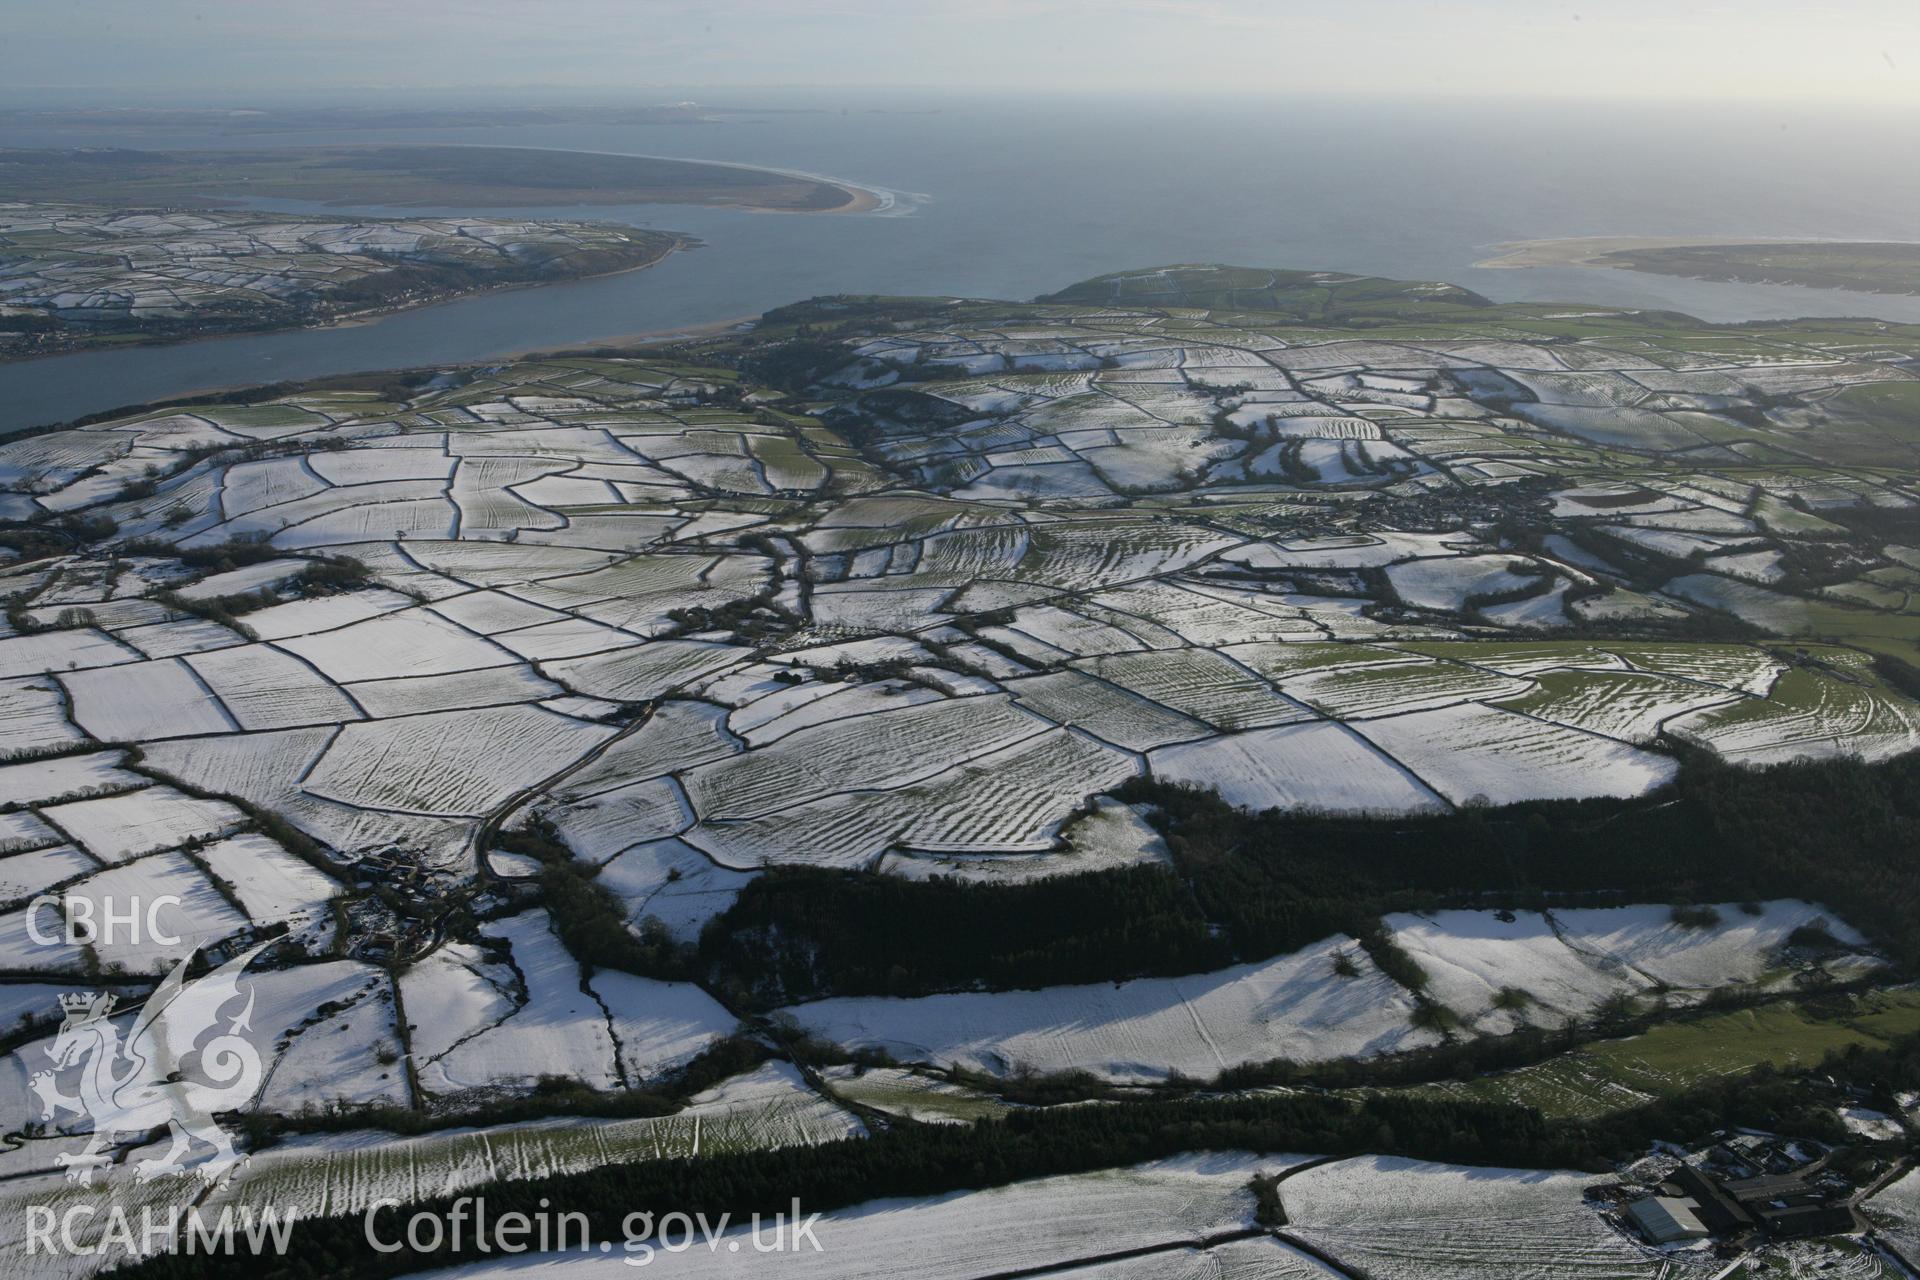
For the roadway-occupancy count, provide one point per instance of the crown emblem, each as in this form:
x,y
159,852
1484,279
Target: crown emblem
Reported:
x,y
85,1006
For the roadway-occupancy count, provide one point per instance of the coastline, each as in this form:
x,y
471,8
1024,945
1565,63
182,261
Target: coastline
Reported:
x,y
860,198
635,342
353,319
1585,251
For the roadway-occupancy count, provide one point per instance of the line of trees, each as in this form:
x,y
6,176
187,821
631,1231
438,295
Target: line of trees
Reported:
x,y
924,1160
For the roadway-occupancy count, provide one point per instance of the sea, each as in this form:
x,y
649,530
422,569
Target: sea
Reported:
x,y
1003,195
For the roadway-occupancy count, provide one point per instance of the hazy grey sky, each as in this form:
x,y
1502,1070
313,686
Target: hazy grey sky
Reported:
x,y
1779,49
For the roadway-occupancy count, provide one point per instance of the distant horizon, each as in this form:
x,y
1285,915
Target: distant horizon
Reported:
x,y
1864,51
902,99
119,96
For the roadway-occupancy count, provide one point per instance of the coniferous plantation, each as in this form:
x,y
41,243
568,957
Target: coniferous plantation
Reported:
x,y
1247,886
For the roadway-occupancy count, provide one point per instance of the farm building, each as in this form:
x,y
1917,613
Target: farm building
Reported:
x,y
1667,1219
1785,1206
1718,1210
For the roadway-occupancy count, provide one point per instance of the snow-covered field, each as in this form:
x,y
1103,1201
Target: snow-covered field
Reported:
x,y
324,1033
1807,715
451,763
693,632
1471,751
1306,766
1294,1006
184,909
549,1026
271,883
1895,1211
1191,1216
116,828
1110,835
1395,1219
1739,949
1047,1222
1299,1007
480,659
346,1172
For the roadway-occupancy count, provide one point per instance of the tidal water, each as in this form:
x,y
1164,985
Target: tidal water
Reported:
x,y
1002,196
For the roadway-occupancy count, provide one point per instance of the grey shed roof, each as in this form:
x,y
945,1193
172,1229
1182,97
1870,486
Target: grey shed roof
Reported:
x,y
1664,1219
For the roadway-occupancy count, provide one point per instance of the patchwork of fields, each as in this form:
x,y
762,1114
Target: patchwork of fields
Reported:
x,y
915,597
551,547
936,616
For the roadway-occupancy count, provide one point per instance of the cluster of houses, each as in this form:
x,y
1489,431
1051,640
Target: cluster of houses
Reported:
x,y
400,908
390,869
392,918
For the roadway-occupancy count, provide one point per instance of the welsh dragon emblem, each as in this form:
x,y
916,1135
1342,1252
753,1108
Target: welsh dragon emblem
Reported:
x,y
161,1076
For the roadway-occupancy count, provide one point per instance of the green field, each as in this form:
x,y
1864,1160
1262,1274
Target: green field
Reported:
x,y
1670,1058
1863,267
1303,296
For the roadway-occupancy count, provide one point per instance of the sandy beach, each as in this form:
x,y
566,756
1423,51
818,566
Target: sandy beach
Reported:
x,y
1583,251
